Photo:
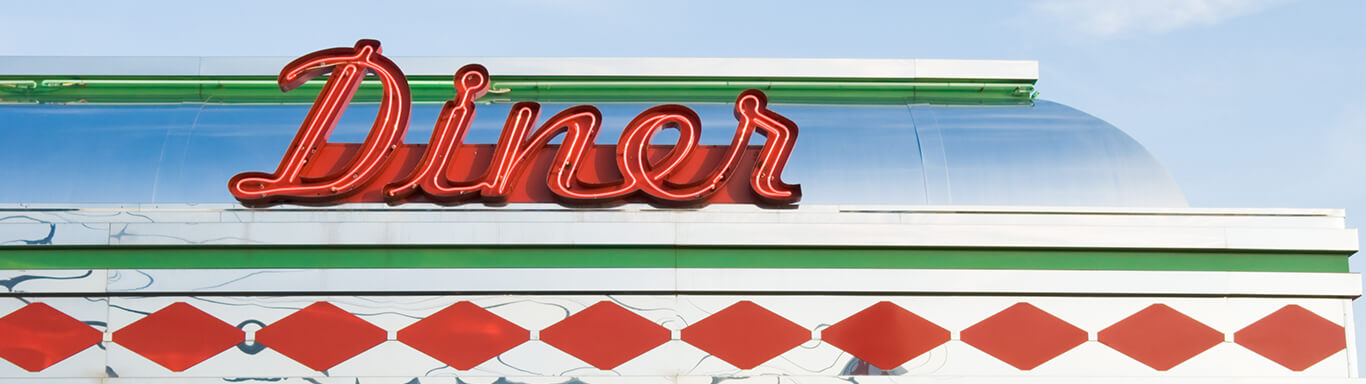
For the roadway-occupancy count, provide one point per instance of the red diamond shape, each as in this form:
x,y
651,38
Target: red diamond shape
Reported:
x,y
1293,337
885,335
37,336
178,336
745,335
1023,336
321,336
463,335
1160,337
605,335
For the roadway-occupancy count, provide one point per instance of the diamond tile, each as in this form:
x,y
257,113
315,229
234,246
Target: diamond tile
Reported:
x,y
321,336
178,336
463,335
1293,337
1023,336
1160,337
605,335
37,336
745,335
885,335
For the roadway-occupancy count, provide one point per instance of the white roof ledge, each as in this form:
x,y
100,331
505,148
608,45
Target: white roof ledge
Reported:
x,y
637,224
948,69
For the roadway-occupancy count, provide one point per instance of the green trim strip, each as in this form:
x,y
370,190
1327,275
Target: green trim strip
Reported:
x,y
429,89
659,257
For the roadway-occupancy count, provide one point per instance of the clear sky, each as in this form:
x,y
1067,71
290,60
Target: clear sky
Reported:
x,y
1256,103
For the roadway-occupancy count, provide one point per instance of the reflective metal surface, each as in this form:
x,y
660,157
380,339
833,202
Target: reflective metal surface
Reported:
x,y
1048,154
1044,154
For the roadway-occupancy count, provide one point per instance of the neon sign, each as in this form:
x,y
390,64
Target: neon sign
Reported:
x,y
382,168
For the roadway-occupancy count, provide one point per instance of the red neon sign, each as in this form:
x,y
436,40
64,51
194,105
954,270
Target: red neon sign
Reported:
x,y
580,172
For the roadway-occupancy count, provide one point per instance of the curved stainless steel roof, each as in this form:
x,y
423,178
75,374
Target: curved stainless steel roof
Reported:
x,y
1041,154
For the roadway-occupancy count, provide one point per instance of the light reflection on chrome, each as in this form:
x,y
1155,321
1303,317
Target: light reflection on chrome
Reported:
x,y
1044,154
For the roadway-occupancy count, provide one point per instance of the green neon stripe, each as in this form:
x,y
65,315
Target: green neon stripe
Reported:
x,y
659,257
18,89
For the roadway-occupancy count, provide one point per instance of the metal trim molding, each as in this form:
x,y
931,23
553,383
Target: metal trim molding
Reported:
x,y
550,66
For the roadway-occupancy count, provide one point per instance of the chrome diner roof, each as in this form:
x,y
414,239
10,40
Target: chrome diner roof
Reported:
x,y
907,151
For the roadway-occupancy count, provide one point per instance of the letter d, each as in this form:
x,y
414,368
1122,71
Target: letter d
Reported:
x,y
348,66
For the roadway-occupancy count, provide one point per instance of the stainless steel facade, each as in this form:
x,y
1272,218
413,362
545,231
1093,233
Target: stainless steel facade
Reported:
x,y
1040,154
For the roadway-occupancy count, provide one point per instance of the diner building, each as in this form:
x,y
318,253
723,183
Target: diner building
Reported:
x,y
758,221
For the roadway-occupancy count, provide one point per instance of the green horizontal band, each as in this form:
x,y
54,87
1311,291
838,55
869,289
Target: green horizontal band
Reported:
x,y
123,257
427,89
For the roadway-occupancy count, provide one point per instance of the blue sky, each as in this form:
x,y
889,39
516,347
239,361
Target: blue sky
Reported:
x,y
1248,103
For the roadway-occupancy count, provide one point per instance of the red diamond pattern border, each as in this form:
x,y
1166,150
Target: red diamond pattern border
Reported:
x,y
1260,336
